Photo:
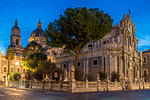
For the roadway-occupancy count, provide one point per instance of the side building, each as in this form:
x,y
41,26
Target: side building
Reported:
x,y
117,51
146,65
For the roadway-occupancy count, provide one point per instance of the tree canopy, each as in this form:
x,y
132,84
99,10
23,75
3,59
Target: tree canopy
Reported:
x,y
10,53
76,28
31,48
33,53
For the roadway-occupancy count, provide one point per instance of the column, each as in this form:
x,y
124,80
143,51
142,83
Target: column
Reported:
x,y
87,66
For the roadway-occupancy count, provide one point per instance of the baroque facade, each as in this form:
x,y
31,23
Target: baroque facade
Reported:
x,y
117,51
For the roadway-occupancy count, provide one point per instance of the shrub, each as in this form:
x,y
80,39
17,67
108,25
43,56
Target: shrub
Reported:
x,y
17,76
103,75
115,76
59,72
90,77
79,74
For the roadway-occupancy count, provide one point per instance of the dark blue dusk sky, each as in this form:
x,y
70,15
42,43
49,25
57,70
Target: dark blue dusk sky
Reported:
x,y
28,13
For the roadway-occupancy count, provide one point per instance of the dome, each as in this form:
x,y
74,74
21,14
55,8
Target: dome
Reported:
x,y
37,33
15,27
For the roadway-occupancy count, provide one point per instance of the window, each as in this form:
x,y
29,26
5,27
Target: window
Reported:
x,y
24,71
104,42
145,73
4,69
18,70
144,60
78,64
17,33
110,39
95,62
17,42
90,45
12,70
64,65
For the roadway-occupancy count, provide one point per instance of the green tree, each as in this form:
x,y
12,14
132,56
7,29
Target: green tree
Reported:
x,y
115,76
33,53
17,76
32,61
76,28
47,66
38,74
31,48
79,74
10,53
103,75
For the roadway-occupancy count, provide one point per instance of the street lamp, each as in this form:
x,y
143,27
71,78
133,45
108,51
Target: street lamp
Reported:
x,y
17,63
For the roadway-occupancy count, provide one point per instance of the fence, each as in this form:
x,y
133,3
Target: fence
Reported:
x,y
83,86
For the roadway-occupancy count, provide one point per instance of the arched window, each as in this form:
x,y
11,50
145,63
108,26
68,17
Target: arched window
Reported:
x,y
18,70
17,42
4,69
24,70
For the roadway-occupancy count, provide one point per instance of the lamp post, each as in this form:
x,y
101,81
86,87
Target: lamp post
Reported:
x,y
15,64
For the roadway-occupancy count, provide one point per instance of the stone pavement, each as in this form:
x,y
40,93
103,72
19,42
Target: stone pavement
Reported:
x,y
28,94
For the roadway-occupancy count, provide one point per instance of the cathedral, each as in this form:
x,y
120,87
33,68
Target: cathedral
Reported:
x,y
117,51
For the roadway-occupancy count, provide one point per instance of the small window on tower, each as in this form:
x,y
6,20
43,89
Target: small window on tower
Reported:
x,y
17,42
17,33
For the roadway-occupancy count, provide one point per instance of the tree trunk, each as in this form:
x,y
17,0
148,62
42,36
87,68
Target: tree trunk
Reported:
x,y
9,65
76,58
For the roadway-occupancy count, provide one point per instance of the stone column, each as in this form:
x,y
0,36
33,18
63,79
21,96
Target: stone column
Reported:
x,y
86,83
87,66
84,66
69,70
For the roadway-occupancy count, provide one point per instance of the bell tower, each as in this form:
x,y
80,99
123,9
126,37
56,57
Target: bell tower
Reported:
x,y
15,39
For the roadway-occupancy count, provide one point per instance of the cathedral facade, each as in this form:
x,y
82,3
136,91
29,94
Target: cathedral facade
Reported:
x,y
117,51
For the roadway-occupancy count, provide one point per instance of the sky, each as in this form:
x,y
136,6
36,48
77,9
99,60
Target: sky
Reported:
x,y
28,13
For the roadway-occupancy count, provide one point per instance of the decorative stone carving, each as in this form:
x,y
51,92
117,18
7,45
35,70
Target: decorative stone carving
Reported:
x,y
72,78
98,80
66,78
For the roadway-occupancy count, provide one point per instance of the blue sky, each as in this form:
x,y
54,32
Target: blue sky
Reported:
x,y
28,13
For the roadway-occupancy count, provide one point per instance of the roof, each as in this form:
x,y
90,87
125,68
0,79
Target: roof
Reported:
x,y
37,33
